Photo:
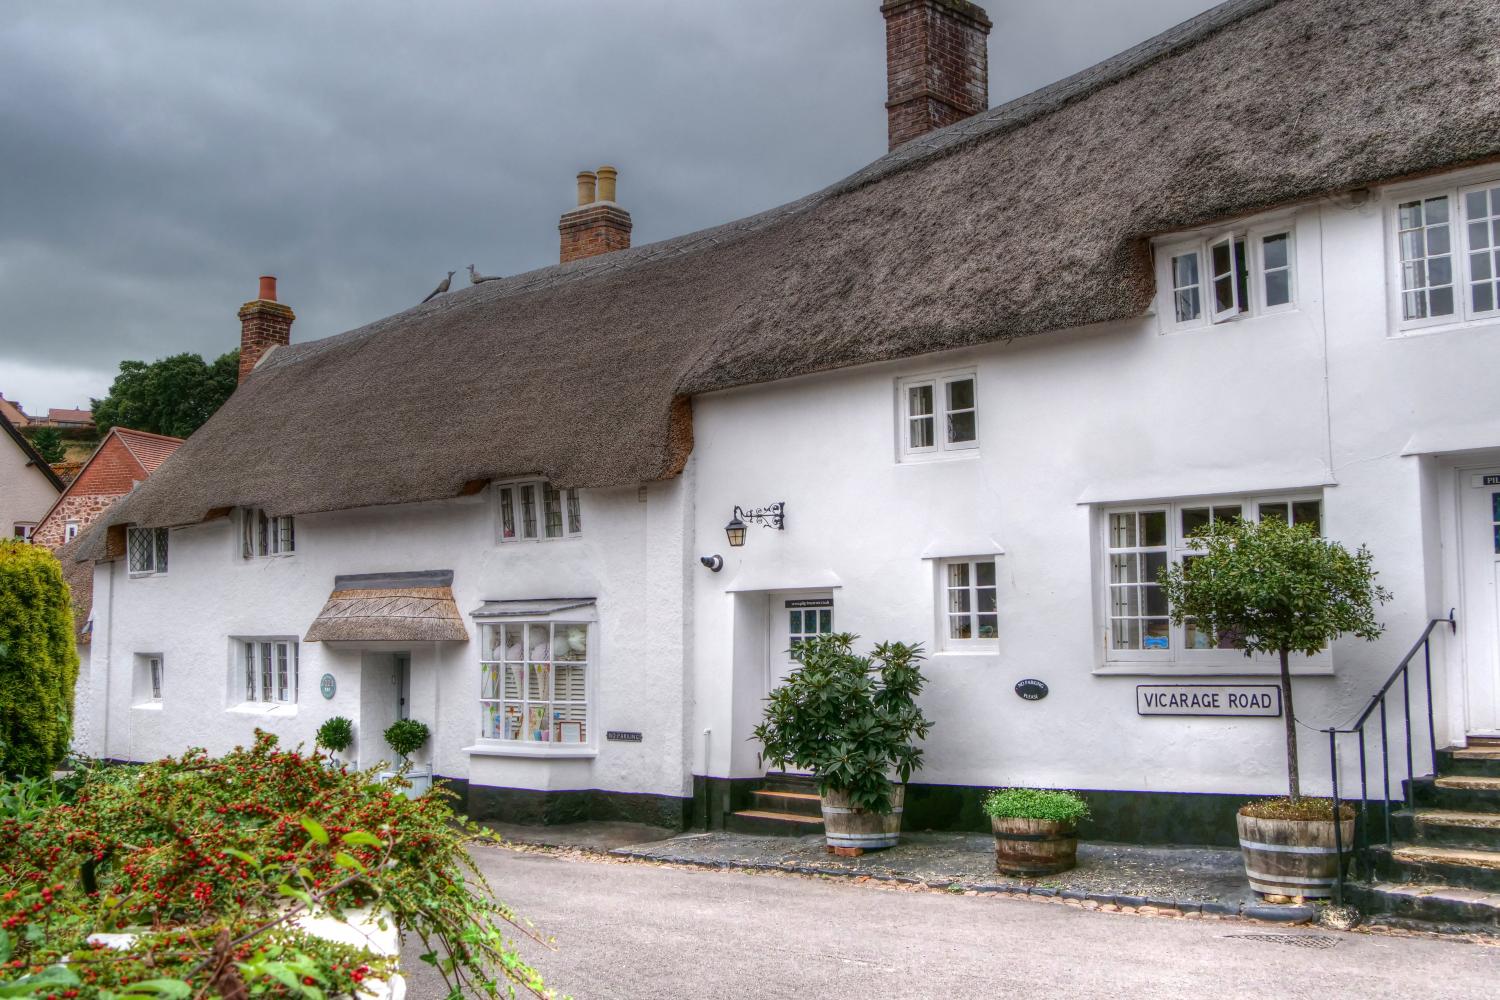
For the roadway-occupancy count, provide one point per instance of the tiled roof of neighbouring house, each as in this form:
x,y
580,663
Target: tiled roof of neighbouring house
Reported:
x,y
1030,217
71,416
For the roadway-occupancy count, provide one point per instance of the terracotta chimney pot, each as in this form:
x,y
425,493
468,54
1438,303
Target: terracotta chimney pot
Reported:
x,y
267,288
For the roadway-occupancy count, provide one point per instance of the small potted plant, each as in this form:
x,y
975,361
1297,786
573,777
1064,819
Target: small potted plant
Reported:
x,y
1279,588
406,737
336,735
1036,830
852,721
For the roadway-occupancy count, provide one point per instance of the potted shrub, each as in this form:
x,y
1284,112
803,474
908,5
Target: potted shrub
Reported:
x,y
1274,587
852,721
336,735
1036,830
406,737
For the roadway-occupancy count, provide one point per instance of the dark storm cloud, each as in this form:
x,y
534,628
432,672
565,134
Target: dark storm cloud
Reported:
x,y
156,157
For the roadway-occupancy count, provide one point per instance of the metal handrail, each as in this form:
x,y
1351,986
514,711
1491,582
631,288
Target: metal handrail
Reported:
x,y
1402,672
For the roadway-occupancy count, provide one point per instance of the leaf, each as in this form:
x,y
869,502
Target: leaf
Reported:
x,y
359,838
296,894
172,989
49,979
344,860
315,830
247,858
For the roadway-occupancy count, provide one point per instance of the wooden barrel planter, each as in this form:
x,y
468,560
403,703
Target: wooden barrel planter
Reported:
x,y
1292,857
849,828
1031,847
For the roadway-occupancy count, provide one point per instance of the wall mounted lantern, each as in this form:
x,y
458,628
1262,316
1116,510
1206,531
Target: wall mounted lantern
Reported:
x,y
772,516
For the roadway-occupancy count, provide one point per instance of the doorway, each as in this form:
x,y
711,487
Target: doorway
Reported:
x,y
384,697
792,619
1479,618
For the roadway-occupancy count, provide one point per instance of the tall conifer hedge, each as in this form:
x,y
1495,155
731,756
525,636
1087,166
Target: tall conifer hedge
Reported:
x,y
38,661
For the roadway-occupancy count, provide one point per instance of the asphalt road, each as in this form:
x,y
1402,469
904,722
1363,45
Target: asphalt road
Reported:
x,y
639,931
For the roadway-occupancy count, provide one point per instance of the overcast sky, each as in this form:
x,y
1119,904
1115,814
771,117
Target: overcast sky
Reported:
x,y
156,157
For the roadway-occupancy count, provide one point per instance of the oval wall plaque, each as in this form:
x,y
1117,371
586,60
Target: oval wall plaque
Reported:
x,y
327,686
1031,689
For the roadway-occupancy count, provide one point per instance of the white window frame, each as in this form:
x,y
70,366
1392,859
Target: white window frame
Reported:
x,y
267,671
492,698
24,530
264,536
941,447
976,643
70,530
159,551
1177,658
510,511
1459,249
1254,302
150,680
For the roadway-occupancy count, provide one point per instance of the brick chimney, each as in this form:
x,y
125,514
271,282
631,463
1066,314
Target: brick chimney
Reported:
x,y
264,324
597,225
936,65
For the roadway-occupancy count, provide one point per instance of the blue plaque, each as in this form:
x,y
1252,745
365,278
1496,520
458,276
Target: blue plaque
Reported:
x,y
327,686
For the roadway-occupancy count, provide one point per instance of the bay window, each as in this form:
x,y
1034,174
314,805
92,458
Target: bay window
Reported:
x,y
534,682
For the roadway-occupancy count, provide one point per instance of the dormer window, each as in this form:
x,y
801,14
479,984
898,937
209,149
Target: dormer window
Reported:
x,y
1226,277
146,551
535,510
263,534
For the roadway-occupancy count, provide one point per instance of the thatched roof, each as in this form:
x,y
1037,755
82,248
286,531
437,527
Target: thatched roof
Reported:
x,y
404,607
1031,217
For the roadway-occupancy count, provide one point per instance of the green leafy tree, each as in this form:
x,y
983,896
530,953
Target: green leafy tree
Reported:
x,y
174,395
1275,588
851,720
38,662
49,444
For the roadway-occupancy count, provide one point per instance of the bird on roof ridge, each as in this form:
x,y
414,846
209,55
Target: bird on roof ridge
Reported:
x,y
441,288
475,277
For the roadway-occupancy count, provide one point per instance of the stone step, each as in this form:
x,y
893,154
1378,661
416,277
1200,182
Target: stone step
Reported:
x,y
1480,761
1426,864
1458,792
801,803
1448,827
1430,904
771,823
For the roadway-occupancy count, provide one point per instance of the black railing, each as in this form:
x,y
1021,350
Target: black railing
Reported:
x,y
1379,703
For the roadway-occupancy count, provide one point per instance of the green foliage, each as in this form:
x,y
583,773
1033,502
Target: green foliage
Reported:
x,y
210,862
1036,803
1277,588
407,736
38,662
49,444
173,396
336,734
850,720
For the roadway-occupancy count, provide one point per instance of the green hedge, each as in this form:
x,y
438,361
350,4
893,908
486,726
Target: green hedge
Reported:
x,y
38,661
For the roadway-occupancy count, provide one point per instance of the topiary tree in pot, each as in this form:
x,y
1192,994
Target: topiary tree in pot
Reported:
x,y
853,721
336,735
1273,587
406,737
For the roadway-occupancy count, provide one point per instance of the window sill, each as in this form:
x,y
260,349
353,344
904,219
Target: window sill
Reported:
x,y
283,710
561,752
1206,670
1451,326
930,457
148,706
992,651
146,575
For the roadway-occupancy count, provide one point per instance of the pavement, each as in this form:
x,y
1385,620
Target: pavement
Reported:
x,y
633,929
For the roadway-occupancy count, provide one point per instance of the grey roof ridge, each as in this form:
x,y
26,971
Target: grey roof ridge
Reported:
x,y
1002,118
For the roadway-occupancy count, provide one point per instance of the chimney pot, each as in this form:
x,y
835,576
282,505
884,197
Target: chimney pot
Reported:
x,y
607,177
936,64
585,188
267,287
264,324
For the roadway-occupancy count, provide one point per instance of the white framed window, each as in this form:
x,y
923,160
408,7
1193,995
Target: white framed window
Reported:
x,y
535,682
70,530
1247,272
1446,256
1139,541
146,551
536,510
806,618
149,678
267,671
263,534
24,530
968,599
938,413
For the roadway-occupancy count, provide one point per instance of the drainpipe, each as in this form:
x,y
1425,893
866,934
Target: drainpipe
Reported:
x,y
707,823
109,644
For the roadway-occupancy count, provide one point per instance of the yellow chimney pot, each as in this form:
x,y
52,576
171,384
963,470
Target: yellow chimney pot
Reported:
x,y
607,176
586,188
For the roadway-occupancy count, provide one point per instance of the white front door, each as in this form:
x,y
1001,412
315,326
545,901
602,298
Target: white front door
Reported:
x,y
793,618
1479,618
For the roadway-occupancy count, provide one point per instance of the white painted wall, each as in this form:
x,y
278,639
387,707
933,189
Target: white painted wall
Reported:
x,y
25,493
630,559
1327,393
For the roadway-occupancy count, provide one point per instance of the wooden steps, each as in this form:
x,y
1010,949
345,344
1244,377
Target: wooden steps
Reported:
x,y
787,805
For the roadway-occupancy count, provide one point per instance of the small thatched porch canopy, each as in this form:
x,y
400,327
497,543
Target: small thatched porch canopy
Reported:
x,y
382,607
